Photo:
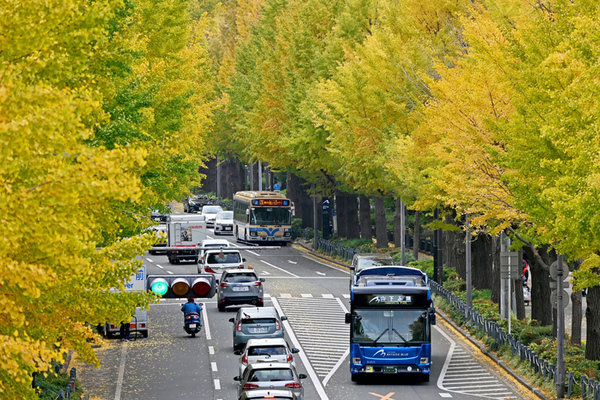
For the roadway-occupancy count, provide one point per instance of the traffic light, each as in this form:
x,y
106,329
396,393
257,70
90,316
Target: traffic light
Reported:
x,y
182,286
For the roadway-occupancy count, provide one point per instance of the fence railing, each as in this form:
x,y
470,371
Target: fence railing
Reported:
x,y
590,389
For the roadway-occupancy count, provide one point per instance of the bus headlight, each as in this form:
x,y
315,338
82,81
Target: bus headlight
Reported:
x,y
356,360
424,360
253,233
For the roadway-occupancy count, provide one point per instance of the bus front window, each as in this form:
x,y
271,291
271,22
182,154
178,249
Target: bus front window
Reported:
x,y
390,326
270,216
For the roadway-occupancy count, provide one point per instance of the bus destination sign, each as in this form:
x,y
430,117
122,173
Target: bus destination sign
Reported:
x,y
270,202
391,299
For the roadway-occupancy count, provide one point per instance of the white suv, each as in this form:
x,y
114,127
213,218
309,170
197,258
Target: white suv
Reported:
x,y
218,260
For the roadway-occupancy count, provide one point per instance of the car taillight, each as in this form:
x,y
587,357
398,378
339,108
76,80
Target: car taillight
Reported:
x,y
259,283
289,359
245,359
294,385
209,269
239,326
278,326
249,386
224,284
132,326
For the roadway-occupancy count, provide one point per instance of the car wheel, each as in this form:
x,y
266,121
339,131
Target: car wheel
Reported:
x,y
145,334
260,304
221,307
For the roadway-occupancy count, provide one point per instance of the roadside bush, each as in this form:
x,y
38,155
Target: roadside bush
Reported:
x,y
408,256
50,384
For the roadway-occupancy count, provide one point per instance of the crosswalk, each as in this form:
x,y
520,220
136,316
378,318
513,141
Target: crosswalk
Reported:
x,y
305,295
318,323
465,375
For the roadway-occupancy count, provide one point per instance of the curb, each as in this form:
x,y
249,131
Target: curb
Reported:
x,y
450,322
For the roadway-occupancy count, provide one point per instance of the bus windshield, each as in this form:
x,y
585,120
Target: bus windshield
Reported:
x,y
390,327
270,216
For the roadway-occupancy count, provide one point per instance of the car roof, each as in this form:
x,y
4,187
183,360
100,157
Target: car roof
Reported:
x,y
371,255
265,365
215,241
221,249
239,271
266,342
253,312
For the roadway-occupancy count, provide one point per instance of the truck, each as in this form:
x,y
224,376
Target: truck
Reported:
x,y
139,321
391,314
184,234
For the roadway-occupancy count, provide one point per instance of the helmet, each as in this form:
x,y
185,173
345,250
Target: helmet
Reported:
x,y
190,300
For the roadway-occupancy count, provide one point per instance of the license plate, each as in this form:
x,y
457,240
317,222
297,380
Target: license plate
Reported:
x,y
192,326
390,370
271,238
240,288
260,330
228,228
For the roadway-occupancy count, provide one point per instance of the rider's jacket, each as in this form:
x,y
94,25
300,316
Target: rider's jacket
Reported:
x,y
191,307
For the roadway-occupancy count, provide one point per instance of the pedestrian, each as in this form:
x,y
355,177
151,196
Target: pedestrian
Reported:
x,y
125,330
525,273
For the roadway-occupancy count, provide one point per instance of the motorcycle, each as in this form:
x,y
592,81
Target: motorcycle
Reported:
x,y
192,323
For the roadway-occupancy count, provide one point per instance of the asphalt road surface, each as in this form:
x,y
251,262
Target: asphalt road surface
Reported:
x,y
169,364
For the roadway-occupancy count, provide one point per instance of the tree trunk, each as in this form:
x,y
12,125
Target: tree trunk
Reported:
x,y
592,346
517,285
347,215
398,223
416,235
352,216
209,185
380,223
495,275
303,203
232,177
541,308
576,311
365,218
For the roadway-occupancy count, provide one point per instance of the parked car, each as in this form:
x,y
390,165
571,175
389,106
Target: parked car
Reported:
x,y
239,286
272,394
256,323
366,260
266,350
195,203
210,213
161,232
218,260
139,323
281,376
224,223
159,216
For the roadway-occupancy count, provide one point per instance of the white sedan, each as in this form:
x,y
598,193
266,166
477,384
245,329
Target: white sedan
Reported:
x,y
224,223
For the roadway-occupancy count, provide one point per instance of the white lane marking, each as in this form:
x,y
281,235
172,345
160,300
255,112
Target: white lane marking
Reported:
x,y
343,358
265,273
159,266
327,296
121,372
169,272
267,296
149,260
321,273
281,269
285,295
306,295
346,296
448,358
205,323
292,262
213,366
445,395
253,252
211,350
311,372
217,384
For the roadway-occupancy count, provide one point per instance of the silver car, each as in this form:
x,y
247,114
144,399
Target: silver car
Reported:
x,y
266,350
361,261
210,213
271,376
239,286
256,323
224,223
272,394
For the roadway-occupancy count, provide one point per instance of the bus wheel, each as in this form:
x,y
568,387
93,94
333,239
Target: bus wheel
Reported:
x,y
355,377
425,378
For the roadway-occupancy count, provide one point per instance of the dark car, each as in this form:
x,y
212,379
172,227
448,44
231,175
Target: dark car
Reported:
x,y
361,261
194,204
159,216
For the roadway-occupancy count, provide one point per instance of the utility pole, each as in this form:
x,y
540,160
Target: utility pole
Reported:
x,y
218,179
251,175
560,332
315,219
402,233
260,186
468,266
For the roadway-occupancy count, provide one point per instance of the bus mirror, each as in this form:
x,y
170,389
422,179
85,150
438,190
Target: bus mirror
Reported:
x,y
348,318
432,316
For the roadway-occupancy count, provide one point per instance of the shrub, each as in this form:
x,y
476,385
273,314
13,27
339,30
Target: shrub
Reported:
x,y
50,384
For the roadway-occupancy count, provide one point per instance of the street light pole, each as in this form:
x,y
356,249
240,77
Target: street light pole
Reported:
x,y
468,260
560,332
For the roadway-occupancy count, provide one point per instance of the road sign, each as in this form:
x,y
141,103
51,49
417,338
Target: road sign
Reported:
x,y
182,286
565,299
276,186
512,258
137,281
554,267
554,284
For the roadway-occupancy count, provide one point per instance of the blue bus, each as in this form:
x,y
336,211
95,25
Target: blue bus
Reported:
x,y
391,314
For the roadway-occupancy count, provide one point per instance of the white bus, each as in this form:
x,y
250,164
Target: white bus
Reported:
x,y
262,217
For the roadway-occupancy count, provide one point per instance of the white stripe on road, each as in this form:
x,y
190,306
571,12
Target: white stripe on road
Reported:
x,y
213,366
281,269
217,384
311,372
326,265
149,260
211,350
321,273
169,272
206,325
292,262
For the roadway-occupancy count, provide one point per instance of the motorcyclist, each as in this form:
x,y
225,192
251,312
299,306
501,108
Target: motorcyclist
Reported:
x,y
191,306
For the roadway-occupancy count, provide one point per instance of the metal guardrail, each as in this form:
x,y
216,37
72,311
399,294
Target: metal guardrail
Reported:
x,y
590,389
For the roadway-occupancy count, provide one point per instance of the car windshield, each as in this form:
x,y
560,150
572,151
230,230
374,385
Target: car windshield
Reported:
x,y
249,321
267,351
224,258
271,216
271,375
211,209
225,215
390,326
241,278
373,262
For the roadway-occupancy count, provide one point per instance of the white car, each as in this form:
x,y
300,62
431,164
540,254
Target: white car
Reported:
x,y
224,223
218,260
210,214
266,350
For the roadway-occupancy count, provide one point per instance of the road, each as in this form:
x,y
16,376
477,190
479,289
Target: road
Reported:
x,y
314,296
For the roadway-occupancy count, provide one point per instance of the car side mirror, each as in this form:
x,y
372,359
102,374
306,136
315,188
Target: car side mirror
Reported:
x,y
237,379
231,320
216,282
262,279
294,351
243,260
352,267
284,318
237,352
302,376
348,318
